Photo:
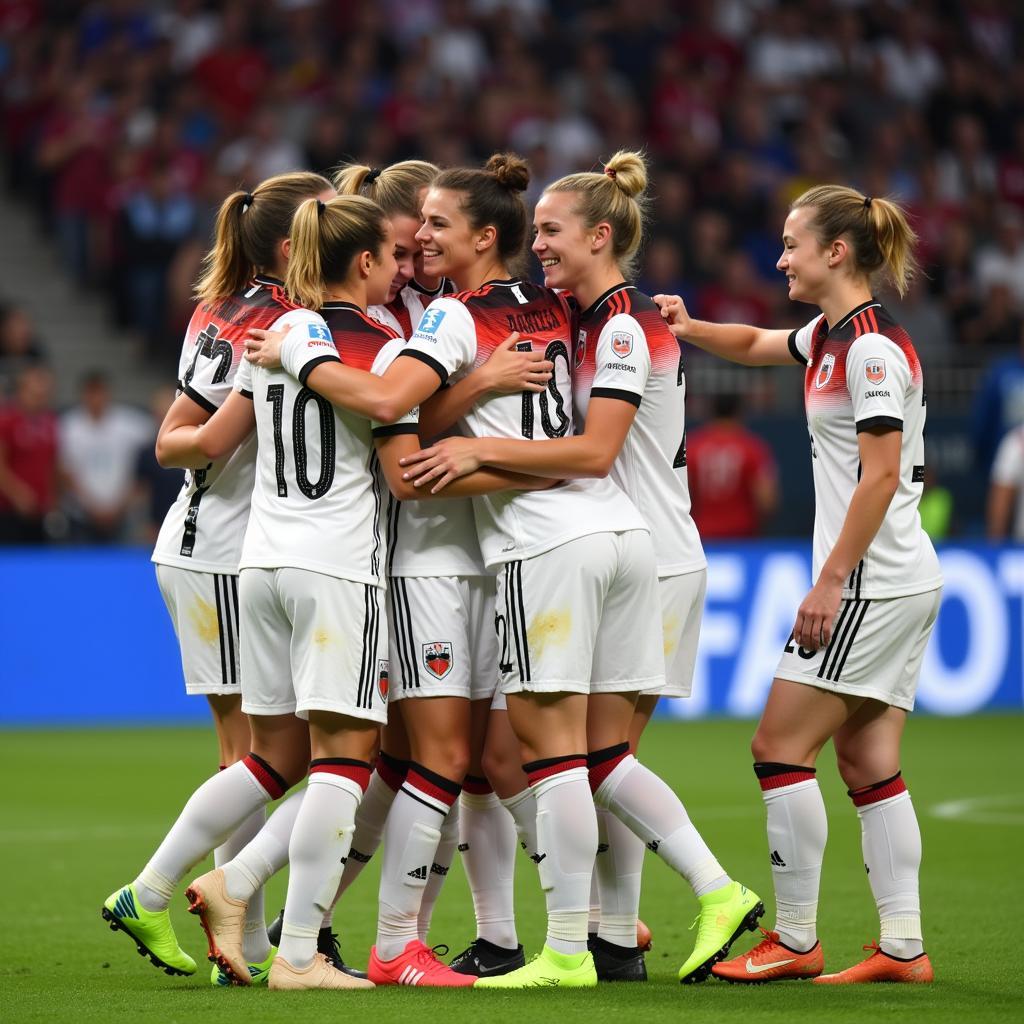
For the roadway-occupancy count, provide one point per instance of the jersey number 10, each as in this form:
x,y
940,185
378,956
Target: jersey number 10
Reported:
x,y
560,424
275,395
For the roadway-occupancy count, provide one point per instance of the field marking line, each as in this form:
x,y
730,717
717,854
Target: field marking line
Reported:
x,y
1006,809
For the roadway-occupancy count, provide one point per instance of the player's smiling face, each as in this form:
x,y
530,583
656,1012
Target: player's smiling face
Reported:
x,y
382,269
804,262
561,241
446,238
406,251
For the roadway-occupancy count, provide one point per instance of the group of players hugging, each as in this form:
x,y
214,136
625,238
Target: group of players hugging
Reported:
x,y
417,480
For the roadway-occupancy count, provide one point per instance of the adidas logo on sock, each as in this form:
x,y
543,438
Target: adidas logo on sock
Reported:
x,y
536,857
463,847
602,847
438,869
653,845
777,859
418,873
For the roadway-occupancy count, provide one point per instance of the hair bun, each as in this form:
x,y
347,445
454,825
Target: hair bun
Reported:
x,y
510,170
629,172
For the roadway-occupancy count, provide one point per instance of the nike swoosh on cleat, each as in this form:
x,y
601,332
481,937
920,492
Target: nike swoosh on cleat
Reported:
x,y
753,968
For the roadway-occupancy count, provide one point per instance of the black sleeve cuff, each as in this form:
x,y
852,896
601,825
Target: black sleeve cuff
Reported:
x,y
888,422
430,361
393,429
313,364
625,396
245,394
203,403
794,351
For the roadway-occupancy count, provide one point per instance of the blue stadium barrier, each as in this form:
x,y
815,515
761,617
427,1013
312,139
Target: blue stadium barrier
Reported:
x,y
86,638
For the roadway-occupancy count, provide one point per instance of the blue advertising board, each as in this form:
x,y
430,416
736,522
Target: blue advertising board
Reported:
x,y
87,640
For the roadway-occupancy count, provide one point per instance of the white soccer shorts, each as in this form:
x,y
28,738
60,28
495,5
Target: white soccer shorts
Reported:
x,y
876,649
442,637
682,608
204,611
312,642
582,618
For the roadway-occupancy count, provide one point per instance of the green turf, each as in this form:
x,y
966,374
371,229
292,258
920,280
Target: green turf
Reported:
x,y
83,809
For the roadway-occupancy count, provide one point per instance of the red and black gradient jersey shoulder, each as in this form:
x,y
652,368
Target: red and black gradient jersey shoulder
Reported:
x,y
215,338
499,308
357,336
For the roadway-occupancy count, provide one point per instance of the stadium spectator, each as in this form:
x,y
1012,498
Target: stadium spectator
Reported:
x,y
732,473
99,445
155,488
19,347
1005,514
998,407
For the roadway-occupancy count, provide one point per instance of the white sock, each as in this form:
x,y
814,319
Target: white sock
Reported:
x,y
316,854
618,871
594,915
411,837
644,803
370,819
891,843
261,859
523,808
566,847
797,831
212,813
487,841
443,856
255,944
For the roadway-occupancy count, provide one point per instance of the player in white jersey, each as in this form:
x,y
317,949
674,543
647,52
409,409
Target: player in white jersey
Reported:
x,y
198,547
850,667
628,390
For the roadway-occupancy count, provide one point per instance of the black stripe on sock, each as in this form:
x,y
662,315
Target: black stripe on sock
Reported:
x,y
769,769
276,776
874,787
412,796
351,761
596,757
448,785
550,762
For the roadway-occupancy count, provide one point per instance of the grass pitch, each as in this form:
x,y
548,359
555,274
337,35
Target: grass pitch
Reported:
x,y
82,811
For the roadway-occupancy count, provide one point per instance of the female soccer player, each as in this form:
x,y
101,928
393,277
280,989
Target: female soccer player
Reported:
x,y
199,544
628,391
850,668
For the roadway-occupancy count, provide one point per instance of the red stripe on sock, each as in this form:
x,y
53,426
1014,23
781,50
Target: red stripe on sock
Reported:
x,y
391,777
873,796
416,781
555,769
263,777
598,773
476,785
360,776
787,779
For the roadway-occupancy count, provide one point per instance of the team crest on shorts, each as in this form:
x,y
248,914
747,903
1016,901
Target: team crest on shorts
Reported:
x,y
874,370
828,364
581,349
622,343
437,656
383,684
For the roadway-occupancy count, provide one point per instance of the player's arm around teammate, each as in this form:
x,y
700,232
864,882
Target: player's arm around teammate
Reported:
x,y
850,667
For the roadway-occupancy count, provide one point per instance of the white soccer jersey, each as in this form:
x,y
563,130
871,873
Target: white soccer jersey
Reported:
x,y
204,527
403,313
458,334
435,537
625,350
864,372
318,502
1008,469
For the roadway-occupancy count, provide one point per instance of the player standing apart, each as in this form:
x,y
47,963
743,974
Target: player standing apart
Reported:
x,y
200,542
628,391
850,668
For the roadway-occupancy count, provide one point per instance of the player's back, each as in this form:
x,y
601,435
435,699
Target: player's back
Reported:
x,y
317,502
204,527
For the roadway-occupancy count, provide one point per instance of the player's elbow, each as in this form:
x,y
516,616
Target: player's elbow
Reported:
x,y
401,488
386,410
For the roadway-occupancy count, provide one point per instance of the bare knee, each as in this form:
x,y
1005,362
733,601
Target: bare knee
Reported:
x,y
450,759
859,768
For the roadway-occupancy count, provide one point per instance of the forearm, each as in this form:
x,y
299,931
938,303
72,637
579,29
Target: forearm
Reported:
x,y
563,458
1000,507
864,516
739,343
487,481
448,405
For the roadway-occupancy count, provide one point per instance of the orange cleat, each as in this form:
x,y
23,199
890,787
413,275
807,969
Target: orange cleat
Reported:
x,y
880,966
417,964
770,960
644,938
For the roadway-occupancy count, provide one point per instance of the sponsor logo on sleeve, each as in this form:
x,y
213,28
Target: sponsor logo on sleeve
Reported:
x,y
622,343
824,375
437,657
319,334
430,322
874,370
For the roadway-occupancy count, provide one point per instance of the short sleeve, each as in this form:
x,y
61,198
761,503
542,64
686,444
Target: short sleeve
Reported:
x,y
307,344
210,377
1008,467
622,361
445,338
877,377
800,341
409,423
243,379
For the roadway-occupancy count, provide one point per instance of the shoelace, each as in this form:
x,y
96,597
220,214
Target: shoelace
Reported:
x,y
432,957
769,939
334,952
872,947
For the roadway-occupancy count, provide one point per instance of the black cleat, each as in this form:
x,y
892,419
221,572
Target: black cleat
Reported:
x,y
617,963
326,943
483,959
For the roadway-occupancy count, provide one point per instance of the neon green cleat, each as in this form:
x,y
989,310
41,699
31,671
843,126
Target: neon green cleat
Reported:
x,y
548,969
725,915
151,931
258,972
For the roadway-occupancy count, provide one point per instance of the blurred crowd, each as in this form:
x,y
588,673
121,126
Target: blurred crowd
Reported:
x,y
126,122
